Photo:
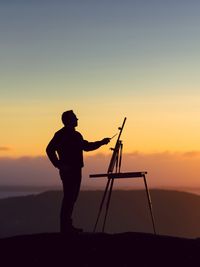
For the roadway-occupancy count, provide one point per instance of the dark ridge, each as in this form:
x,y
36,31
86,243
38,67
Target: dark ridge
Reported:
x,y
176,213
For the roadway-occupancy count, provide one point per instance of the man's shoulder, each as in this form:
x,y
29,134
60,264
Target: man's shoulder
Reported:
x,y
65,131
78,133
59,132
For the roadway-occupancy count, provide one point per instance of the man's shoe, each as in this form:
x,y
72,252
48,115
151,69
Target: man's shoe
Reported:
x,y
71,230
76,230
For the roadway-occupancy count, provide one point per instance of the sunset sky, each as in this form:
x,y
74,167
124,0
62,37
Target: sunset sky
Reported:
x,y
105,60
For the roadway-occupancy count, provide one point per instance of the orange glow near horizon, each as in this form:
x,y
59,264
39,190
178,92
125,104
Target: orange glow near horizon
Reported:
x,y
167,126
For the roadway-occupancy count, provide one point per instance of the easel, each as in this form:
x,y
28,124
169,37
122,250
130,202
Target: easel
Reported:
x,y
115,165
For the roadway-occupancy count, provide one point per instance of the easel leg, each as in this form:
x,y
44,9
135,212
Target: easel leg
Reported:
x,y
108,204
150,204
101,205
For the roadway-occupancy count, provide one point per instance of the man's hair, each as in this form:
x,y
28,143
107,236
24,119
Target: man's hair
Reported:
x,y
66,116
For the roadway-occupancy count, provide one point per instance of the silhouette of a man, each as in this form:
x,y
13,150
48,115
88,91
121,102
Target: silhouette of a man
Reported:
x,y
65,151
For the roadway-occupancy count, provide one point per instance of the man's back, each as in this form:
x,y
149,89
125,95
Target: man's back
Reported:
x,y
68,143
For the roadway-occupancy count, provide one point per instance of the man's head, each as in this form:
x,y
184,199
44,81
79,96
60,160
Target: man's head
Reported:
x,y
69,118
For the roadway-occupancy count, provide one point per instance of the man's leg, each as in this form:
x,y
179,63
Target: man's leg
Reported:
x,y
71,187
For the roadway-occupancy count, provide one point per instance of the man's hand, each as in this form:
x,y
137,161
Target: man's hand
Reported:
x,y
105,141
63,167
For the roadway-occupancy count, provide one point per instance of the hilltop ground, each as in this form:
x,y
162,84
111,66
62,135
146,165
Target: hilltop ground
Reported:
x,y
87,249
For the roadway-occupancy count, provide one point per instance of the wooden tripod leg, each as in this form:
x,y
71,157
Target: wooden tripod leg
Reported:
x,y
150,204
108,204
101,205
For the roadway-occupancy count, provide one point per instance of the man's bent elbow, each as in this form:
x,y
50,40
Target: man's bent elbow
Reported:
x,y
49,150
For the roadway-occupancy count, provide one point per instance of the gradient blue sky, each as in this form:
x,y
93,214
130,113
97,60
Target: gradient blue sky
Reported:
x,y
93,48
106,60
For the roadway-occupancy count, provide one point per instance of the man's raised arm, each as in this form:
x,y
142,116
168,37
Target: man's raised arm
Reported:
x,y
89,146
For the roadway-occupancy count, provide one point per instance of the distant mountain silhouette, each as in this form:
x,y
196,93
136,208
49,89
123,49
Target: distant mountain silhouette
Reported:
x,y
176,213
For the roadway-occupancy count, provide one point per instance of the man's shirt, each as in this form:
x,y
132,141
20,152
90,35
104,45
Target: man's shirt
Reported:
x,y
66,148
